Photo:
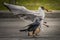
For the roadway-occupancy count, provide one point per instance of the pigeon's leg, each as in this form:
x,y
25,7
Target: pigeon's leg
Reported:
x,y
37,31
30,33
34,32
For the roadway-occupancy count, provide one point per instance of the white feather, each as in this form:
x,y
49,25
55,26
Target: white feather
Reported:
x,y
15,9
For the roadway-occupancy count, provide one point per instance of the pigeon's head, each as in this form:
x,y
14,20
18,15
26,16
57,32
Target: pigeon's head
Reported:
x,y
37,20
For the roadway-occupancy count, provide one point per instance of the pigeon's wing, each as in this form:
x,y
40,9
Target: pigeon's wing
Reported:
x,y
15,9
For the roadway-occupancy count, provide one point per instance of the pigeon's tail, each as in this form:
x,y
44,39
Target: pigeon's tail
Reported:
x,y
23,30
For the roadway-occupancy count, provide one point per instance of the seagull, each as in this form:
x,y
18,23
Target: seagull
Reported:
x,y
16,10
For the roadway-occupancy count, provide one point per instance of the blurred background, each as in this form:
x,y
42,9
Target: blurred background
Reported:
x,y
52,5
33,4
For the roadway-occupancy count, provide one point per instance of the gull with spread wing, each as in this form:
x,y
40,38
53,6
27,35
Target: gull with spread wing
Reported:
x,y
35,15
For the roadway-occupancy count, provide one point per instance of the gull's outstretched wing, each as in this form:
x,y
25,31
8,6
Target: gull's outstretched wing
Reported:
x,y
15,9
21,11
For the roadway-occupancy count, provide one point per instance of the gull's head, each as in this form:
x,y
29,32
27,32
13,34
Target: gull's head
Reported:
x,y
42,7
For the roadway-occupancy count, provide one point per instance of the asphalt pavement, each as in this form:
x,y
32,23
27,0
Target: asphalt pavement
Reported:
x,y
9,29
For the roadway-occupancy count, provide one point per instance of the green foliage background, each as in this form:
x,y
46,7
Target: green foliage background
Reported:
x,y
34,4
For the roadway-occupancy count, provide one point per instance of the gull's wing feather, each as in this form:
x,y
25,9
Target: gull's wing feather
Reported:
x,y
15,9
27,17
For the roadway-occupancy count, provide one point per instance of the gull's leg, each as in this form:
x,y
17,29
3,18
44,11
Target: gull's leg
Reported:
x,y
45,24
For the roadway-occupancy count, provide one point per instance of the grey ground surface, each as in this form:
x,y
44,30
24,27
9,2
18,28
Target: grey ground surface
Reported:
x,y
9,29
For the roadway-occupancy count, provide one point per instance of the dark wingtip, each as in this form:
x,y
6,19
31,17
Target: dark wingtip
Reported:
x,y
5,4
